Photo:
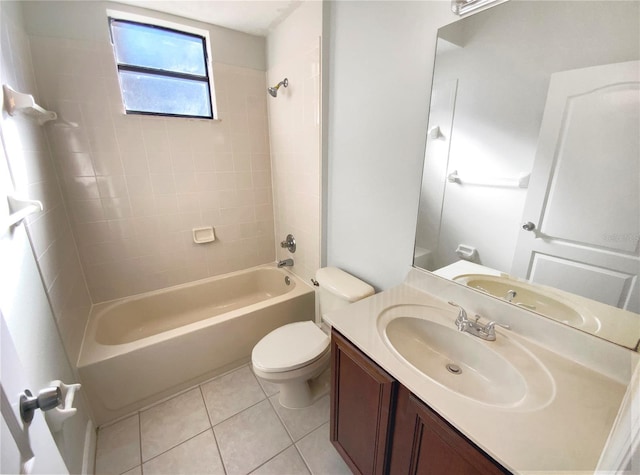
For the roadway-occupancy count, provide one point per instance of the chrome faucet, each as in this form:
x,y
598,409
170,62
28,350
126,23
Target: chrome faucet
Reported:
x,y
485,332
510,295
285,263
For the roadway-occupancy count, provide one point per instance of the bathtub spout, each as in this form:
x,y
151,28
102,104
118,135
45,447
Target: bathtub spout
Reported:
x,y
286,262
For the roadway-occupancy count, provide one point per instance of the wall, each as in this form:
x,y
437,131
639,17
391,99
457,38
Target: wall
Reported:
x,y
136,185
380,67
34,316
293,51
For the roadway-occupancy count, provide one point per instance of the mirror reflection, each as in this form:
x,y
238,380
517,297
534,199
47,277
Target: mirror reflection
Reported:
x,y
531,183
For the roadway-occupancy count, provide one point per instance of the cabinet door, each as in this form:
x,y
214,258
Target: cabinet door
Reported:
x,y
425,444
362,396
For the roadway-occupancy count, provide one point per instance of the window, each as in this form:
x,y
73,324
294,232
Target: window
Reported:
x,y
162,70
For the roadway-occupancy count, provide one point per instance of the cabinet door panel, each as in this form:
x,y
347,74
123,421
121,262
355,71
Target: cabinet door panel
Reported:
x,y
361,404
425,444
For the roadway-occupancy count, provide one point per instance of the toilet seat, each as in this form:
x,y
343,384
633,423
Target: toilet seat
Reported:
x,y
290,347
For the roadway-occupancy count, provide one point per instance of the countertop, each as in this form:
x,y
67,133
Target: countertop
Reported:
x,y
567,433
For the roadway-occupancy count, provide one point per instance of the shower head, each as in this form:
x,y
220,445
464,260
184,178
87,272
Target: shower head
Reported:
x,y
274,90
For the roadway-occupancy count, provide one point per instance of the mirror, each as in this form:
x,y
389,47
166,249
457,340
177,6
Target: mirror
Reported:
x,y
531,182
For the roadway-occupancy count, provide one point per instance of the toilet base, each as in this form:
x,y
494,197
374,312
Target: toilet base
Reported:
x,y
302,387
297,395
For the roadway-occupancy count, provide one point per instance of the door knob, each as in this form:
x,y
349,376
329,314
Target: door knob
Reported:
x,y
47,399
528,226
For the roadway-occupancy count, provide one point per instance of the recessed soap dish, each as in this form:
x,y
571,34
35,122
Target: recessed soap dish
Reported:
x,y
203,235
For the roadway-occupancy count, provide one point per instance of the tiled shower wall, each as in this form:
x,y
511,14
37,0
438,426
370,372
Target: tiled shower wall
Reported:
x,y
28,155
136,185
294,119
34,177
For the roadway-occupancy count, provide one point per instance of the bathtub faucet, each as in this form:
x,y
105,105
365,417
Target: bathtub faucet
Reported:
x,y
286,262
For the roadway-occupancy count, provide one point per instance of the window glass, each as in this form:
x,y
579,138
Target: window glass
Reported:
x,y
161,70
165,95
158,48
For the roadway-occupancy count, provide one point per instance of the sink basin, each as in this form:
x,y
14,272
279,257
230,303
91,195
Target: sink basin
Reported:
x,y
500,373
532,297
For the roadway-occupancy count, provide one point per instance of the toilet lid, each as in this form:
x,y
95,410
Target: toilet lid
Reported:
x,y
290,347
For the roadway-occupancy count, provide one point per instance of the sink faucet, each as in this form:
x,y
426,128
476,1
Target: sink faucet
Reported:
x,y
285,263
485,332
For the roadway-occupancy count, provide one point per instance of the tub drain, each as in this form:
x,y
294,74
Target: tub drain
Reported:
x,y
454,368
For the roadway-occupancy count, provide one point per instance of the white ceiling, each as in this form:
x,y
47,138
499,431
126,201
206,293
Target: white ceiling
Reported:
x,y
256,17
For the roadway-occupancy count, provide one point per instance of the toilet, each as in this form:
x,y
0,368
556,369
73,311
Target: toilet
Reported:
x,y
296,355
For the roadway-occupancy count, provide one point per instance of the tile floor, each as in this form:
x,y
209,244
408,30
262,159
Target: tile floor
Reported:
x,y
232,424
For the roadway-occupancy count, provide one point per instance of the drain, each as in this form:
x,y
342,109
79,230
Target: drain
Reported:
x,y
287,280
454,368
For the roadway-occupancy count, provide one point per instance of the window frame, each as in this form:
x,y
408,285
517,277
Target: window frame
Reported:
x,y
180,28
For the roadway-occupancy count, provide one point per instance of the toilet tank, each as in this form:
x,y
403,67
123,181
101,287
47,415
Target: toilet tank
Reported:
x,y
338,289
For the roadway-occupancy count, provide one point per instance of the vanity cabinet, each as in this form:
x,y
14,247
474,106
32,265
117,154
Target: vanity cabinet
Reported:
x,y
362,398
379,427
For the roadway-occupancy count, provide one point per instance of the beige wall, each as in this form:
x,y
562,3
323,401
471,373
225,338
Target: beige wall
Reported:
x,y
36,319
136,186
293,51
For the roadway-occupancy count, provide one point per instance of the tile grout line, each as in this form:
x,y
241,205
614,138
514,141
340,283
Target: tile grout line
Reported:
x,y
178,445
224,468
304,461
140,439
295,441
269,460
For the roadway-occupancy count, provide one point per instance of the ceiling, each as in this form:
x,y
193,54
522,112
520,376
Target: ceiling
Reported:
x,y
256,17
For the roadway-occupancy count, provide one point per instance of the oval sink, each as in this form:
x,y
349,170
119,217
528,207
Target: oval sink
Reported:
x,y
532,297
500,373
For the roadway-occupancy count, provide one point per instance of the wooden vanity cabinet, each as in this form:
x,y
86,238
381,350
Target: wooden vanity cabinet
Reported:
x,y
424,443
362,398
379,427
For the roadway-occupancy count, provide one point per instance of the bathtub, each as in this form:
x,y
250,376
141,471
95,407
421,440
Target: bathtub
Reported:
x,y
141,349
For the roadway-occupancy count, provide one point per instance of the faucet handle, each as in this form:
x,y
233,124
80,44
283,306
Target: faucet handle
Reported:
x,y
462,313
490,328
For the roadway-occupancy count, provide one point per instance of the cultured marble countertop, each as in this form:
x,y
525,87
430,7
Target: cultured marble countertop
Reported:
x,y
567,434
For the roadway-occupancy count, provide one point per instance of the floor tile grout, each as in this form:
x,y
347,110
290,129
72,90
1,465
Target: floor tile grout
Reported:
x,y
224,468
272,402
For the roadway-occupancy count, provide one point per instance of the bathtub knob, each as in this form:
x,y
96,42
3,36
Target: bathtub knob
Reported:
x,y
289,243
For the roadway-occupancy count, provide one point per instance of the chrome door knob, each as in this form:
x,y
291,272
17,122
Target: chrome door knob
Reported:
x,y
528,226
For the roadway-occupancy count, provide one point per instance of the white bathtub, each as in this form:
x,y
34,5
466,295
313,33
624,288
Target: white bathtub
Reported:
x,y
140,349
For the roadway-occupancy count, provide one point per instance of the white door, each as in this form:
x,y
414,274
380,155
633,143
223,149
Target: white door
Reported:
x,y
584,197
24,448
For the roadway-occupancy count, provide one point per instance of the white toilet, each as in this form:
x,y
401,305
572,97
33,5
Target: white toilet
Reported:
x,y
294,355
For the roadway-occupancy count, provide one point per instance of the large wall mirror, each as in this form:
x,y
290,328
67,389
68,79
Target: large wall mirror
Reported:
x,y
531,183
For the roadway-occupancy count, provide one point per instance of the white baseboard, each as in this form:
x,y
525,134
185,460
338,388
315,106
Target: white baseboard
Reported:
x,y
89,457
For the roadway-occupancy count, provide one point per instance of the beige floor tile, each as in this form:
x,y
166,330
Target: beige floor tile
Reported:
x,y
118,447
269,388
134,471
319,454
231,393
172,422
300,422
288,462
250,438
195,456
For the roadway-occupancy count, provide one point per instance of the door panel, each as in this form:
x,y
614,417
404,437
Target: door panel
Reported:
x,y
26,448
584,193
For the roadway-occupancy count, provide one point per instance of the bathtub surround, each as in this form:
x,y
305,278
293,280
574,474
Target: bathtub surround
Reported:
x,y
293,51
137,185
